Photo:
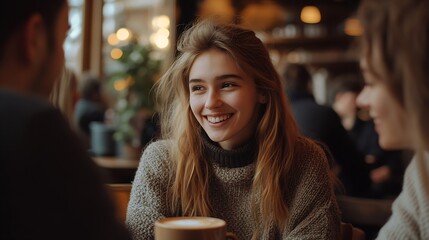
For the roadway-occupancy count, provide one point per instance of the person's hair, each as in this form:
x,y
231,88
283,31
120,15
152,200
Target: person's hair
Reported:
x,y
276,132
398,32
63,94
297,77
17,12
89,86
349,82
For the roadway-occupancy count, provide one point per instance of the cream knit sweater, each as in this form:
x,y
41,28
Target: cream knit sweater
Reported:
x,y
314,213
410,211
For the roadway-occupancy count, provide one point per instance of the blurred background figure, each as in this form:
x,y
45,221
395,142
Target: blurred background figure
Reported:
x,y
90,107
65,94
151,129
51,188
322,123
386,167
395,64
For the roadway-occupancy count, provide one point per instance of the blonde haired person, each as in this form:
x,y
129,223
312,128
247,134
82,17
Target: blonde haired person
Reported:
x,y
395,63
230,147
64,94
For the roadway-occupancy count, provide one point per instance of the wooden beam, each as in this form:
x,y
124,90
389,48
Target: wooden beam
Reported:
x,y
92,39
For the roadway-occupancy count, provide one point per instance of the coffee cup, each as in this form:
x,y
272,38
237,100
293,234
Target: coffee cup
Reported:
x,y
191,228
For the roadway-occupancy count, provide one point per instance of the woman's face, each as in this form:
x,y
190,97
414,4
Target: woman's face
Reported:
x,y
389,116
345,104
223,99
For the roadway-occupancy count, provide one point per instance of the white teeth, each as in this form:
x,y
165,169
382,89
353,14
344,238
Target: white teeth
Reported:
x,y
218,119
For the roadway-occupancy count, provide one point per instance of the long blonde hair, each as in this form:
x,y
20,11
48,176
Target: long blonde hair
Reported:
x,y
276,132
63,94
399,31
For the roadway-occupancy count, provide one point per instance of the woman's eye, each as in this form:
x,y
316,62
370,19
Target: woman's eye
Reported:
x,y
196,88
227,84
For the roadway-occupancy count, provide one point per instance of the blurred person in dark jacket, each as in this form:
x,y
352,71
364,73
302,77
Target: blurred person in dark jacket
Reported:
x,y
386,166
51,188
322,123
90,105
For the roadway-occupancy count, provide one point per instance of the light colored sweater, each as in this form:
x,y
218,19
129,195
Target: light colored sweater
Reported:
x,y
410,211
314,213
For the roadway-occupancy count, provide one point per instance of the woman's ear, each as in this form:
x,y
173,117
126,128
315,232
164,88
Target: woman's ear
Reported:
x,y
34,39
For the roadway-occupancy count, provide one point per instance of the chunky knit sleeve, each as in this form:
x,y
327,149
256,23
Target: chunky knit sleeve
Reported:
x,y
149,191
410,211
314,213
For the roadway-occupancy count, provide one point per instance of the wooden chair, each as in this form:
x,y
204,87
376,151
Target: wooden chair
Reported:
x,y
349,232
121,196
364,213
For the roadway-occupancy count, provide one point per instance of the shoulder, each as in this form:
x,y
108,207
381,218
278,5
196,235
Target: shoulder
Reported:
x,y
410,207
22,113
310,154
157,148
311,104
310,179
417,170
310,110
155,156
306,146
19,105
327,112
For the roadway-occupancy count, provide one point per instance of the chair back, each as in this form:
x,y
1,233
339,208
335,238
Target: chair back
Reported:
x,y
121,196
349,232
365,211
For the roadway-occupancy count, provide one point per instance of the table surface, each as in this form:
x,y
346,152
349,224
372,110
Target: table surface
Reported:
x,y
116,162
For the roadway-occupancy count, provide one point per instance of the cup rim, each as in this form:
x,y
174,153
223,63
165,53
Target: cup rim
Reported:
x,y
162,223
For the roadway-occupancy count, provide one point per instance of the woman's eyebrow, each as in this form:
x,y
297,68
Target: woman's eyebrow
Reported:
x,y
195,80
226,76
221,77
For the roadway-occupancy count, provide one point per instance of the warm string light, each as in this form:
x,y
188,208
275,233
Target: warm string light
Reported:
x,y
112,39
123,84
116,53
352,27
310,14
121,35
160,38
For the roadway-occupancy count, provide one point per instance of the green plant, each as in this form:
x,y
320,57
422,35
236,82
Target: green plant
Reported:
x,y
133,85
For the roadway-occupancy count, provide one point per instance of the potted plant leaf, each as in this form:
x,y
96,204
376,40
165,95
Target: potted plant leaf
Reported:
x,y
133,85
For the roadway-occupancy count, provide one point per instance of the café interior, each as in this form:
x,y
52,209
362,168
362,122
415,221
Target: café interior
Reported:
x,y
112,39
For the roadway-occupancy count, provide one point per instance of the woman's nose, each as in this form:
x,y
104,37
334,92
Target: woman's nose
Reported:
x,y
213,100
363,98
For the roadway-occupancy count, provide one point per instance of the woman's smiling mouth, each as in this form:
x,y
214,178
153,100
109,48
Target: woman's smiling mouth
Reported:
x,y
218,119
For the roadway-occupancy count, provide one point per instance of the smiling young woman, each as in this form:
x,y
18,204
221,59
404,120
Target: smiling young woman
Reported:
x,y
395,63
223,99
230,147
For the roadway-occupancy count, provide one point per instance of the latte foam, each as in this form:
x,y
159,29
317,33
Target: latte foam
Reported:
x,y
192,222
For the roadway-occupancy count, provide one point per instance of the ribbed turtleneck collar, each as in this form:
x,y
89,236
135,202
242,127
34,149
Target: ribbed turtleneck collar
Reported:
x,y
239,157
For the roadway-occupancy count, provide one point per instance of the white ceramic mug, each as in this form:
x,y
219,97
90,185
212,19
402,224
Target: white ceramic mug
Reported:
x,y
191,228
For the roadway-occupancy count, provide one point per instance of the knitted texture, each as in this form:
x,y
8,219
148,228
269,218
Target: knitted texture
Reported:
x,y
313,209
410,211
